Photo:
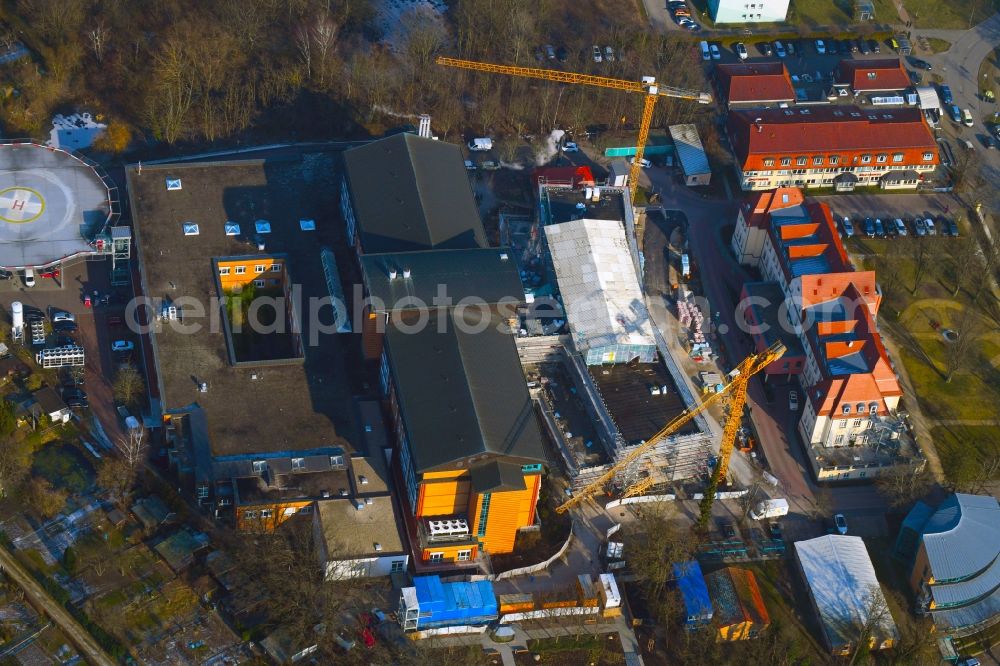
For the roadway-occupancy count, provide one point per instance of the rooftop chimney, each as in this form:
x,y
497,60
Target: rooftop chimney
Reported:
x,y
424,128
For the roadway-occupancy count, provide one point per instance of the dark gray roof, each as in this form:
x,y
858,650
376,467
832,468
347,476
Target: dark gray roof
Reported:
x,y
496,475
49,400
410,193
462,393
488,274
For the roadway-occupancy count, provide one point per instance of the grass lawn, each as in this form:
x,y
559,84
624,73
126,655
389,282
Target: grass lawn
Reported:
x,y
813,13
950,15
788,605
64,466
938,45
955,443
601,650
950,401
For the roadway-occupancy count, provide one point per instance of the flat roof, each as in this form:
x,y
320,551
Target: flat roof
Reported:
x,y
369,474
562,204
52,204
350,532
638,414
598,284
251,408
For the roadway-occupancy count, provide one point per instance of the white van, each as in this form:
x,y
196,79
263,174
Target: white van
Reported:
x,y
29,277
705,54
481,144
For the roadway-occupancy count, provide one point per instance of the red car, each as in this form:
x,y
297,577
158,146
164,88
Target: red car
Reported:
x,y
54,273
366,634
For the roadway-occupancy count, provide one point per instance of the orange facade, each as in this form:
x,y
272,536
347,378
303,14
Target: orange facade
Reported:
x,y
236,273
446,494
266,517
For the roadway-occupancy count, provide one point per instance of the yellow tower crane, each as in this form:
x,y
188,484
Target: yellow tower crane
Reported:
x,y
733,395
648,86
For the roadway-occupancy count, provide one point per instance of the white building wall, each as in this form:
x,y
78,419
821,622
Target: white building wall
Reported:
x,y
365,567
823,177
748,242
748,11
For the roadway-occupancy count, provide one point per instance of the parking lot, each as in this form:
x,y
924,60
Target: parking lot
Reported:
x,y
907,207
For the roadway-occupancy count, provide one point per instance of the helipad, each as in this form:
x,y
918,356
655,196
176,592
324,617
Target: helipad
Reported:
x,y
52,206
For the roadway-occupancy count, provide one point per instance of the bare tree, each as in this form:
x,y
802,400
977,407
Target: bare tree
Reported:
x,y
128,385
876,624
15,461
303,46
966,264
653,545
901,487
918,250
959,352
324,37
97,39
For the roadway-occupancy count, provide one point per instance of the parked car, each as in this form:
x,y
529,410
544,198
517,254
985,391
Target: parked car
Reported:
x,y
571,147
790,47
848,227
122,346
921,64
596,53
644,163
65,326
955,113
846,46
869,227
5,274
855,45
714,49
879,228
967,118
946,96
609,54
765,49
775,529
989,142
900,227
550,52
793,401
741,51
727,529
75,398
820,47
931,229
952,227
62,315
831,47
841,523
919,226
874,46
864,47
779,49
562,54
29,277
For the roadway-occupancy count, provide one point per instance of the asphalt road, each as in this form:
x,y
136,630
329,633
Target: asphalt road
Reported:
x,y
59,615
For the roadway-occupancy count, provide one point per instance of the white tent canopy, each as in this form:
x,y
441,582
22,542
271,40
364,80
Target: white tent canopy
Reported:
x,y
928,98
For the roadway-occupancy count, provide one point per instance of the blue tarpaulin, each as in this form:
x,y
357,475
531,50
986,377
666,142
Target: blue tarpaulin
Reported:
x,y
692,586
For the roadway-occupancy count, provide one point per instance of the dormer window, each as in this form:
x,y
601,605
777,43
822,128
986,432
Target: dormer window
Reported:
x,y
861,408
847,409
298,464
873,408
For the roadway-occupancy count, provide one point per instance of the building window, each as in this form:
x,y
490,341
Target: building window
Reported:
x,y
856,423
860,407
240,270
872,76
223,270
818,160
259,268
786,161
337,462
802,161
464,555
249,515
928,157
866,159
769,161
258,283
202,492
839,440
298,464
436,557
842,424
396,566
306,510
882,158
484,512
266,513
897,157
275,268
537,467
290,511
834,159
847,409
259,466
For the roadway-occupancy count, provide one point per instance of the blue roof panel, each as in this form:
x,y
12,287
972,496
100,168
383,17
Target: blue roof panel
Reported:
x,y
809,266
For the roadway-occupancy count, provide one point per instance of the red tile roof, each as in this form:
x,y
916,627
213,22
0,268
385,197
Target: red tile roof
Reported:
x,y
777,132
757,82
883,74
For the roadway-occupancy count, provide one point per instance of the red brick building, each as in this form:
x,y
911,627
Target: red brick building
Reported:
x,y
837,146
868,76
760,84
